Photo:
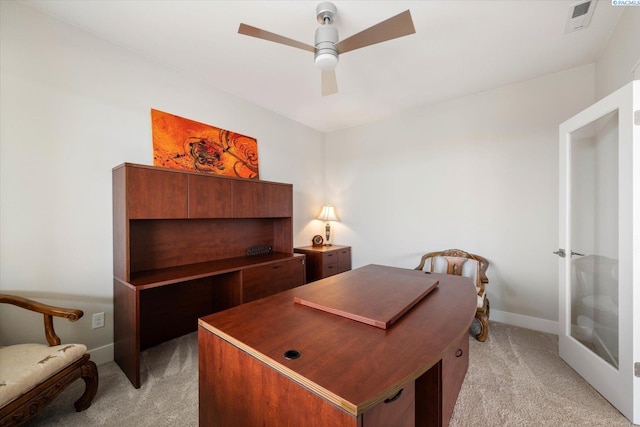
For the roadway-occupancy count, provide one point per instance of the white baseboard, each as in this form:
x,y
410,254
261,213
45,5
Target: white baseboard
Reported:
x,y
102,355
522,321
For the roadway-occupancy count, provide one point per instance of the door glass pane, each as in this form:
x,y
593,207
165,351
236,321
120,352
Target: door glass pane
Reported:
x,y
594,237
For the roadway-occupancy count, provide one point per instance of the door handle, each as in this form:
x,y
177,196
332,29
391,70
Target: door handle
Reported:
x,y
561,253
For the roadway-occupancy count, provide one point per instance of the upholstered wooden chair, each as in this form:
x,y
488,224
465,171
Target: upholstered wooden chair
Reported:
x,y
32,375
461,263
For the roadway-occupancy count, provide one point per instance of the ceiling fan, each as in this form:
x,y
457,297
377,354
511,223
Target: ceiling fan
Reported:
x,y
327,48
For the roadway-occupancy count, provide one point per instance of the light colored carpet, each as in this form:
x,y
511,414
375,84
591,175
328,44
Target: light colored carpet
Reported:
x,y
515,378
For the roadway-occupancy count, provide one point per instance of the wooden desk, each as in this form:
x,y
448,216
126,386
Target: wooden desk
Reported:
x,y
346,369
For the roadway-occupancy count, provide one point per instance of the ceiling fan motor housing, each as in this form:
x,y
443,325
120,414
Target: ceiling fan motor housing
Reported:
x,y
326,55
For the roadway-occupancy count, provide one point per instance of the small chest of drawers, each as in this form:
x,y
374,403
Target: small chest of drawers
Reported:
x,y
325,261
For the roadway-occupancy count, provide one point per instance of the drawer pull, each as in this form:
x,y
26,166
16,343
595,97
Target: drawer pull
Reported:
x,y
275,266
394,398
459,352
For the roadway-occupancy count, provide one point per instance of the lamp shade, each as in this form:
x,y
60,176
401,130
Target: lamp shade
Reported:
x,y
328,213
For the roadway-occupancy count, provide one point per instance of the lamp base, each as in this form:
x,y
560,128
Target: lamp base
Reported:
x,y
327,231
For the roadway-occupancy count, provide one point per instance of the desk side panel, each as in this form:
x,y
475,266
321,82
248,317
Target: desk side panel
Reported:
x,y
120,225
237,389
126,338
454,368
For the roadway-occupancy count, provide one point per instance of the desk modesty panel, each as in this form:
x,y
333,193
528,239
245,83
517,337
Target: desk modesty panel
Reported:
x,y
345,370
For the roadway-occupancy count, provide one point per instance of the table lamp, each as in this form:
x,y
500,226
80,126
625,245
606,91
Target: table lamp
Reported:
x,y
327,215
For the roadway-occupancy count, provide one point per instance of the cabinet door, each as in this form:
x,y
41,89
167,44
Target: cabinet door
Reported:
x,y
209,197
279,200
313,264
344,260
259,282
248,199
156,194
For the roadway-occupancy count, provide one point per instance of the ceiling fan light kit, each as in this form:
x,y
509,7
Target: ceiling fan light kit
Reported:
x,y
327,46
326,60
326,55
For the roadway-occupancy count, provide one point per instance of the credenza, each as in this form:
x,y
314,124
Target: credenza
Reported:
x,y
183,248
274,362
325,261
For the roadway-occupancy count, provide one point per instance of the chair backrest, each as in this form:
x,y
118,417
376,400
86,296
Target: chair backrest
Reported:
x,y
458,262
596,275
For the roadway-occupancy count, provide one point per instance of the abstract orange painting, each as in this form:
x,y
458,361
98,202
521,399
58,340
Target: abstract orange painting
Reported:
x,y
180,143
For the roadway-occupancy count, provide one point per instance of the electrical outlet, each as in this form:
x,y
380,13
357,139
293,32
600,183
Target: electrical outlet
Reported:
x,y
98,320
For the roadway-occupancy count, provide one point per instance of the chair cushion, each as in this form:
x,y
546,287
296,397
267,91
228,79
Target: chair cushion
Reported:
x,y
23,366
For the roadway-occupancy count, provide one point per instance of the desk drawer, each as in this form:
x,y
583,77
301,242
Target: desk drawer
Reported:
x,y
259,282
344,260
397,410
329,264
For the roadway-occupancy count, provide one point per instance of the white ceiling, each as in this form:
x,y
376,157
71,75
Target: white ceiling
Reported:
x,y
460,47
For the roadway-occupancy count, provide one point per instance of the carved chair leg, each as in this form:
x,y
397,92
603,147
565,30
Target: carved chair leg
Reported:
x,y
483,318
89,374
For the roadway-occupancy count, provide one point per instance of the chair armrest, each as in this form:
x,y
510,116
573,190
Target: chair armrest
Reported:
x,y
47,310
424,259
484,264
484,280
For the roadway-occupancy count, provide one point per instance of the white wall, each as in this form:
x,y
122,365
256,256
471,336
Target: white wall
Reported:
x,y
621,57
72,107
479,173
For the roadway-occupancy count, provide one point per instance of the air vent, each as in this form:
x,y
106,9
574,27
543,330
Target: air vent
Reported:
x,y
579,15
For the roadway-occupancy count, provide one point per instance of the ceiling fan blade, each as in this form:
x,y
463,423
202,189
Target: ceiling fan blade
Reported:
x,y
397,26
329,82
248,30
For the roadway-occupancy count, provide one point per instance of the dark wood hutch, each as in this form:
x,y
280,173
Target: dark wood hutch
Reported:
x,y
180,242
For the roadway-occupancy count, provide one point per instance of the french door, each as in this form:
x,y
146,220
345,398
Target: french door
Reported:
x,y
599,311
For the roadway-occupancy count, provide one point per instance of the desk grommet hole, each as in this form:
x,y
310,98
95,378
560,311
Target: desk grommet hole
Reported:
x,y
291,354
